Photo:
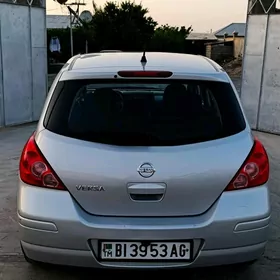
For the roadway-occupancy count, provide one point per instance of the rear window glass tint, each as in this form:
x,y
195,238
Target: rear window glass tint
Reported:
x,y
144,113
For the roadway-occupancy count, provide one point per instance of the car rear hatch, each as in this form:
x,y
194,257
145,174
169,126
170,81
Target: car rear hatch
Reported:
x,y
145,148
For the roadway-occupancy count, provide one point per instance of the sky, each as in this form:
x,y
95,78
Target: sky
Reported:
x,y
203,15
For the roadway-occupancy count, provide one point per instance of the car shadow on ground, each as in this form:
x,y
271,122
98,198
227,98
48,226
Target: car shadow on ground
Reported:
x,y
217,273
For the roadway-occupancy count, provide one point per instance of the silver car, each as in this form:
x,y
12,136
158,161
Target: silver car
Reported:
x,y
143,161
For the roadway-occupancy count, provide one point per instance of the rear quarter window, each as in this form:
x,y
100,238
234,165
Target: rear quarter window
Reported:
x,y
144,113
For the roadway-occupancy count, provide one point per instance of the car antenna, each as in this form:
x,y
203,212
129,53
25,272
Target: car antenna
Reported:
x,y
143,60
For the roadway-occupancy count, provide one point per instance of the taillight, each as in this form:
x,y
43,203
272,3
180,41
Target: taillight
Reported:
x,y
255,170
35,170
145,74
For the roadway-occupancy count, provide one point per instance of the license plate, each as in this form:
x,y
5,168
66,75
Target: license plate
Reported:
x,y
145,251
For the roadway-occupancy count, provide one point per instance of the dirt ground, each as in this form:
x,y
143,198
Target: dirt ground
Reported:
x,y
233,68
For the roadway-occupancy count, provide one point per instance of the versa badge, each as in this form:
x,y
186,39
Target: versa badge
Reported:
x,y
90,188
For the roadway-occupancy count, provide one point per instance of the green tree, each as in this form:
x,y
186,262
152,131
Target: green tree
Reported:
x,y
170,38
125,26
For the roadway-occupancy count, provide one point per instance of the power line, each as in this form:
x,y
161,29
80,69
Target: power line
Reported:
x,y
49,10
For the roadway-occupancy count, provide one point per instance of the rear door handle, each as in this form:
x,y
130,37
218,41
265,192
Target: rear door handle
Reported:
x,y
147,188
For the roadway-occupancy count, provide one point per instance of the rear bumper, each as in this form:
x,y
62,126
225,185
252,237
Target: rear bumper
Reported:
x,y
54,229
87,259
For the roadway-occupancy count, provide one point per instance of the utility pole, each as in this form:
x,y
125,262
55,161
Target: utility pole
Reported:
x,y
71,36
74,19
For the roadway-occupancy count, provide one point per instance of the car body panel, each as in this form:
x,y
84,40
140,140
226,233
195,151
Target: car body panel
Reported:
x,y
214,232
195,175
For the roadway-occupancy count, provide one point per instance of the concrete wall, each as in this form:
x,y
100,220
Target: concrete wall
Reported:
x,y
238,45
208,51
260,92
23,62
219,51
253,67
269,111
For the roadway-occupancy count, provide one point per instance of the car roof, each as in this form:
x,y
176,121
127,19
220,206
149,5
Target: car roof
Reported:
x,y
100,63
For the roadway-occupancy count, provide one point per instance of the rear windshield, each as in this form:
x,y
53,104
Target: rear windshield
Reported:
x,y
144,113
